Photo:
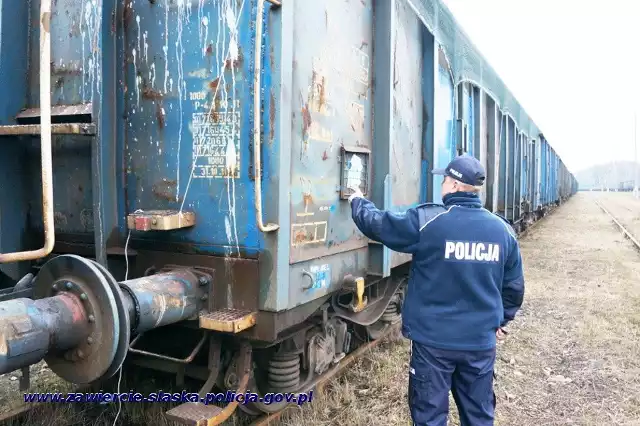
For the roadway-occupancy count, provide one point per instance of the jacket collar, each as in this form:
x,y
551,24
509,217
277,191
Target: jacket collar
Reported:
x,y
464,199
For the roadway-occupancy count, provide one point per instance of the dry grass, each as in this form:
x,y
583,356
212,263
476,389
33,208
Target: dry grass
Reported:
x,y
572,356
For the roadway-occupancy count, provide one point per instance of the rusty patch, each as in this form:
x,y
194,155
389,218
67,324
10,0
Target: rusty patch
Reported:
x,y
324,155
228,64
306,119
272,117
308,199
127,14
213,86
214,114
148,93
165,189
209,55
317,95
302,235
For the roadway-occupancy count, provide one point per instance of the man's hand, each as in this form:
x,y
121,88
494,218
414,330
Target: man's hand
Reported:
x,y
501,334
357,193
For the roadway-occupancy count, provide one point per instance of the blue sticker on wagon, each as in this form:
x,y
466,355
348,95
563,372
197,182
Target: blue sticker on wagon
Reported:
x,y
322,274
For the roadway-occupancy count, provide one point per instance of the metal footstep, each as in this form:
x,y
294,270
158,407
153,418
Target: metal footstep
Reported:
x,y
195,413
199,414
228,320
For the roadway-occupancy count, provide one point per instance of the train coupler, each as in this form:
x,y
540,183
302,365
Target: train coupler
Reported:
x,y
357,286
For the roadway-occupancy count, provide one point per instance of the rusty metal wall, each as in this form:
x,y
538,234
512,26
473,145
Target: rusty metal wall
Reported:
x,y
75,31
331,98
188,68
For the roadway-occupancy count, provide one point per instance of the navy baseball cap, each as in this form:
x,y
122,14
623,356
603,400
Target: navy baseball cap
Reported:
x,y
464,168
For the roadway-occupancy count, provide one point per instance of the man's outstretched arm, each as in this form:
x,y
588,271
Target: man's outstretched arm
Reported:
x,y
399,232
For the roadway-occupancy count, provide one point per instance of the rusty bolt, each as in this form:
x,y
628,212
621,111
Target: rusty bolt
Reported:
x,y
69,285
92,318
83,296
203,280
89,340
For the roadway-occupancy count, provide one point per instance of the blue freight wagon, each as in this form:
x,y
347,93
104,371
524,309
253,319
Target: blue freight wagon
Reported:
x,y
174,174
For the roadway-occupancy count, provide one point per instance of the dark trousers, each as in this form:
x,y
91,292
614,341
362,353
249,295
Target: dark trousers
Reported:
x,y
469,376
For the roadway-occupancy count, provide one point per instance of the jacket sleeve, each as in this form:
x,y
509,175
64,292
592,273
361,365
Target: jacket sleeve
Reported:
x,y
398,231
512,284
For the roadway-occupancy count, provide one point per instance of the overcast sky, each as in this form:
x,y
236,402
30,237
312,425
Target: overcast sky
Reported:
x,y
574,65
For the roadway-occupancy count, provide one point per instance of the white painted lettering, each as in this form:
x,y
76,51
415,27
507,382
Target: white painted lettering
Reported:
x,y
456,173
472,251
450,247
496,253
459,250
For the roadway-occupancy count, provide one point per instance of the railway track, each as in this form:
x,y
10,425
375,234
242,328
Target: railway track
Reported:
x,y
620,225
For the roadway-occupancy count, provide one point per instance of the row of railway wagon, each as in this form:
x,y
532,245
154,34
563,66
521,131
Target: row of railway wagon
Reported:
x,y
174,180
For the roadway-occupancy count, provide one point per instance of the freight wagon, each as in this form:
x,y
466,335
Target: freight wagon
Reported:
x,y
174,179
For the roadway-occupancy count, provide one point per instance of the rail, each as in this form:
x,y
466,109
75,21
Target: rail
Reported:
x,y
45,143
621,226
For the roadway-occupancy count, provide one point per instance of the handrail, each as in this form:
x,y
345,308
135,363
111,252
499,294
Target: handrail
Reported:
x,y
257,123
45,142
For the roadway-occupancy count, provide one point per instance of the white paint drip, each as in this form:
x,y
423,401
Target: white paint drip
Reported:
x,y
152,75
165,48
83,42
231,16
138,79
138,24
146,46
205,24
91,14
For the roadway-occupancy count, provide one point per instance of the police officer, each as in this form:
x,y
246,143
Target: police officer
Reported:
x,y
466,283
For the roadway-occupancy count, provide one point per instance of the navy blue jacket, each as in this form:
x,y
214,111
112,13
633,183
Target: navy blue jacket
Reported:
x,y
466,276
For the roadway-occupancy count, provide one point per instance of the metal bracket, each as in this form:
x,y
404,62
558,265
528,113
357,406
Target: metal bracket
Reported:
x,y
186,360
160,220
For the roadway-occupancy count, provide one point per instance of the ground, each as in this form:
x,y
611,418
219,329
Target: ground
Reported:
x,y
572,356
